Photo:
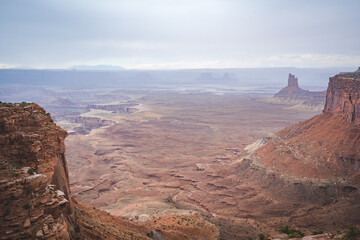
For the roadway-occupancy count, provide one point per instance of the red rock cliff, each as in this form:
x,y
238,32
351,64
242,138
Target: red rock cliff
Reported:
x,y
343,96
29,137
310,172
34,183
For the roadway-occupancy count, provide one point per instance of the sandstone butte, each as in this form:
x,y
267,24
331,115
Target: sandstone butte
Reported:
x,y
327,145
307,173
293,91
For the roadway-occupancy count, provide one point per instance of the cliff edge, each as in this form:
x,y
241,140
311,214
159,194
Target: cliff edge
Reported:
x,y
343,96
36,202
35,194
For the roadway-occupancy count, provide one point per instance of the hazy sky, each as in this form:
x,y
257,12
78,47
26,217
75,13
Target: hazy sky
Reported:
x,y
180,33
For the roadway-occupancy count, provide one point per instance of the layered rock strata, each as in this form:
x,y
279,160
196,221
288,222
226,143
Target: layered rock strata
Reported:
x,y
343,96
35,195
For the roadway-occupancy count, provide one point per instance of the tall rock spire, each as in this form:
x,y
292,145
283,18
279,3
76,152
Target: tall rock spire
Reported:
x,y
292,80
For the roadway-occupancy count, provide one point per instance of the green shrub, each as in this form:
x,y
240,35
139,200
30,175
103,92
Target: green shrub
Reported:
x,y
352,233
317,232
291,232
27,206
4,104
261,236
350,75
14,166
284,230
15,174
31,171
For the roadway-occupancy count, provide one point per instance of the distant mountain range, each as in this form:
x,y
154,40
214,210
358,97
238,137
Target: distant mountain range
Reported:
x,y
97,67
114,76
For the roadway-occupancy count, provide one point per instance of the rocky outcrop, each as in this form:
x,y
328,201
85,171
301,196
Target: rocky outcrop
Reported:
x,y
293,81
309,172
29,137
300,99
35,195
293,91
343,96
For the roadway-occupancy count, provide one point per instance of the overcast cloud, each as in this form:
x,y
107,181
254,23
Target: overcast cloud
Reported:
x,y
179,34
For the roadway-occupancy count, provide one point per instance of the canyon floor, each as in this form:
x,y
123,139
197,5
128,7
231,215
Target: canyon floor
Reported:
x,y
176,156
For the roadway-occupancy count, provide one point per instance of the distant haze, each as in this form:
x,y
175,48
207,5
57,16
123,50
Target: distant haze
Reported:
x,y
230,78
172,34
97,67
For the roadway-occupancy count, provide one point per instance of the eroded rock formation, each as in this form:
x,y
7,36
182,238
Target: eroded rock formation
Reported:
x,y
300,99
35,195
343,96
293,91
311,171
292,80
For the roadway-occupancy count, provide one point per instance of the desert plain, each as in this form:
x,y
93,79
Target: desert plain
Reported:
x,y
176,155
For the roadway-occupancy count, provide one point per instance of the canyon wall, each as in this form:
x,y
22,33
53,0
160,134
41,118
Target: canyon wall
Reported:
x,y
309,172
93,122
326,145
35,194
29,137
343,97
124,108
